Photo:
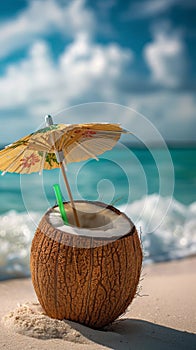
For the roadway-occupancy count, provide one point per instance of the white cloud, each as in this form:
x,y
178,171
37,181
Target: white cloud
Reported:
x,y
84,69
92,68
148,8
173,114
24,81
43,18
166,58
153,8
87,71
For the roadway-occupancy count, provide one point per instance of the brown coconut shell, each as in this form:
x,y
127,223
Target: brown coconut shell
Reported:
x,y
81,283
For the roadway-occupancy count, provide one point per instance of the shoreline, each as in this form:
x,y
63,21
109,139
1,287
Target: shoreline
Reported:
x,y
162,317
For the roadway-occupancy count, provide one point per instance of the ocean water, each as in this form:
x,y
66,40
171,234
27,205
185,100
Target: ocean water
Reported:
x,y
155,187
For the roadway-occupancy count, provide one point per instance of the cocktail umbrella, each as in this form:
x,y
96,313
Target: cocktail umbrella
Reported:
x,y
56,145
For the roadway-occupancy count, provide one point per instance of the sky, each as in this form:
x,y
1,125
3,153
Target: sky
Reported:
x,y
57,54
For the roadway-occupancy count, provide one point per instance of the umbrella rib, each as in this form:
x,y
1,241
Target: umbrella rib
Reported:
x,y
42,163
123,131
3,154
87,128
15,160
86,150
38,142
21,170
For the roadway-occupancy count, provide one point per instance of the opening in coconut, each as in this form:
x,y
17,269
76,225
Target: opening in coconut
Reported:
x,y
96,220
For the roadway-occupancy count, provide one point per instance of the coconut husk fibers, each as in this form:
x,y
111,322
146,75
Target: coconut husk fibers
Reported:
x,y
74,280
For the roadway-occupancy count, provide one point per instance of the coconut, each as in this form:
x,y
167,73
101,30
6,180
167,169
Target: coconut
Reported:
x,y
88,274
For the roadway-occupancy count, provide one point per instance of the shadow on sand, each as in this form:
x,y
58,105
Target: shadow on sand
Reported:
x,y
134,334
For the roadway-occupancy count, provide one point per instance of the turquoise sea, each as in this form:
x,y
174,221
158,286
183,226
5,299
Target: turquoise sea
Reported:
x,y
156,187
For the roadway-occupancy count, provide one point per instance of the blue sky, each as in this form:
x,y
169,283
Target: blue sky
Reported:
x,y
56,54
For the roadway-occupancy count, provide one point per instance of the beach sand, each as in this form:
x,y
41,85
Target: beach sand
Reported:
x,y
162,317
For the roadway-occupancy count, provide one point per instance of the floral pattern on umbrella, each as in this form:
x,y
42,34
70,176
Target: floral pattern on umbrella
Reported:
x,y
51,159
87,133
29,161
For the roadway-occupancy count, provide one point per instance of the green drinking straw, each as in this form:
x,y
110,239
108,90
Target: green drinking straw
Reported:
x,y
60,203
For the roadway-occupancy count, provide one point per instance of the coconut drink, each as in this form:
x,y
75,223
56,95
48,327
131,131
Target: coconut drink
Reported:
x,y
87,274
86,266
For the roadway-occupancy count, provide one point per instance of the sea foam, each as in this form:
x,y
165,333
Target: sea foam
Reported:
x,y
167,229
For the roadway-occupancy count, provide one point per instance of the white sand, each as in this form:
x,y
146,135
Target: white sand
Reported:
x,y
163,318
29,319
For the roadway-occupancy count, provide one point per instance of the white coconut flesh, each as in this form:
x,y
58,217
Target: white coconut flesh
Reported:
x,y
95,221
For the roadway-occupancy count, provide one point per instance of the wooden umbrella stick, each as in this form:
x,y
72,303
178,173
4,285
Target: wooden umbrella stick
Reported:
x,y
70,195
59,157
